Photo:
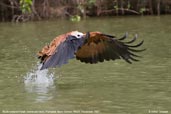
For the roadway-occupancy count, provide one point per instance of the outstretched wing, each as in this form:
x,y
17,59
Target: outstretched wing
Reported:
x,y
99,47
64,51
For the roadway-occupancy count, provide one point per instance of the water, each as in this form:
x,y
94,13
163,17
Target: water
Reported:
x,y
106,88
39,81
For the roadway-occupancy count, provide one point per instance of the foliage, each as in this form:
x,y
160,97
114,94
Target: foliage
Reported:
x,y
75,18
116,7
128,5
25,6
77,9
142,10
91,2
81,8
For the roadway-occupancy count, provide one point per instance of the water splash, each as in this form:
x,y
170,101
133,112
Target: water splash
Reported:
x,y
39,82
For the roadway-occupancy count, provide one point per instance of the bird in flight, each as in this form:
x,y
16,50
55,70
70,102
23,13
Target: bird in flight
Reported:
x,y
90,47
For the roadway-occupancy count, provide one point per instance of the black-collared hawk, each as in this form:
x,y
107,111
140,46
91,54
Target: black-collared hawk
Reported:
x,y
90,47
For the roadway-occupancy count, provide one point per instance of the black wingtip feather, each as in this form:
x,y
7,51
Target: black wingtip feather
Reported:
x,y
124,37
127,60
130,49
134,55
134,50
133,59
137,44
133,40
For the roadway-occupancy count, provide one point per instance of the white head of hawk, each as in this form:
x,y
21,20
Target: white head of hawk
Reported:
x,y
77,34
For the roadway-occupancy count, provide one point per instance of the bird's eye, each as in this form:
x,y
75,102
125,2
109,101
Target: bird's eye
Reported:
x,y
78,35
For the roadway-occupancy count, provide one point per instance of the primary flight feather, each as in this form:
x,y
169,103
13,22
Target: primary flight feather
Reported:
x,y
90,47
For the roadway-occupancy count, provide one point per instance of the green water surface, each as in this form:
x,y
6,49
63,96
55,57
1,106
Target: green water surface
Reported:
x,y
113,87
